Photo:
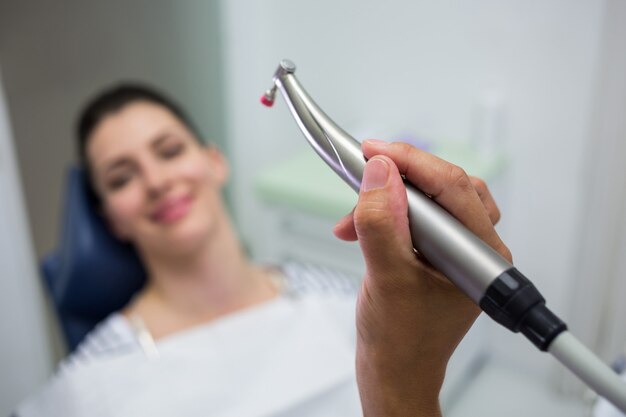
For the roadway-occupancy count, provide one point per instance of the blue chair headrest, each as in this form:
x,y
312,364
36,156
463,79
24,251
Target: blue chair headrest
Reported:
x,y
91,274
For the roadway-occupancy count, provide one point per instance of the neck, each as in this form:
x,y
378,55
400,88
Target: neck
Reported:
x,y
194,287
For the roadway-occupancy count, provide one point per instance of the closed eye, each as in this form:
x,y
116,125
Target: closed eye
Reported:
x,y
119,180
171,150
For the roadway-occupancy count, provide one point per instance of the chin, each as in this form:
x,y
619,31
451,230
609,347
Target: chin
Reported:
x,y
186,237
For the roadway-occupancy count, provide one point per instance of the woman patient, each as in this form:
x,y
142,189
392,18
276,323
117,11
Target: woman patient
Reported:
x,y
210,333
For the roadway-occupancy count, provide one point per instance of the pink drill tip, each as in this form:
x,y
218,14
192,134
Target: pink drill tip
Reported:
x,y
266,101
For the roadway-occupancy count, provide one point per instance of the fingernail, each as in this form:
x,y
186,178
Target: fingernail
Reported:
x,y
375,174
376,142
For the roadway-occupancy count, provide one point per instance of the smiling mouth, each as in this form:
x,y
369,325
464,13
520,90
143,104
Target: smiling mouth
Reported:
x,y
172,211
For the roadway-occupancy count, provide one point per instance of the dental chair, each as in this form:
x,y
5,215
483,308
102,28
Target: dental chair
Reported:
x,y
91,274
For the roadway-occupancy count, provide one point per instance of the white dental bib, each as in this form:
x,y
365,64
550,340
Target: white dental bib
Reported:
x,y
288,356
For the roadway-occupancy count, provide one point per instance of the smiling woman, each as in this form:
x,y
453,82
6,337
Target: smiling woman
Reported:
x,y
152,174
205,308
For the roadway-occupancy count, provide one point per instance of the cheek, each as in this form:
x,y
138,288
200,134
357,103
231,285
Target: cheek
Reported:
x,y
199,172
124,206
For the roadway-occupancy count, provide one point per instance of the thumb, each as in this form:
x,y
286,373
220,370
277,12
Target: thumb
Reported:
x,y
381,221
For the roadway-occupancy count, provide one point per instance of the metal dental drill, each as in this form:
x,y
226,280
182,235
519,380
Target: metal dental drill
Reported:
x,y
483,274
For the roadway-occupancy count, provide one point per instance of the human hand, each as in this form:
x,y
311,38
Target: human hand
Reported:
x,y
410,318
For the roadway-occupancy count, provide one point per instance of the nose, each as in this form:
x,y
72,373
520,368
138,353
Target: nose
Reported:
x,y
156,180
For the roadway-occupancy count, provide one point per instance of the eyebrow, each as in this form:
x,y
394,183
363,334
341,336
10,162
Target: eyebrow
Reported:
x,y
118,163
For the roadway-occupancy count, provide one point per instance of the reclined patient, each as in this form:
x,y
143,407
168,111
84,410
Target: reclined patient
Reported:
x,y
210,333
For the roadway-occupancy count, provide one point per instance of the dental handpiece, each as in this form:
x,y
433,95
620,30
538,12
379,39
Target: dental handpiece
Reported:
x,y
479,271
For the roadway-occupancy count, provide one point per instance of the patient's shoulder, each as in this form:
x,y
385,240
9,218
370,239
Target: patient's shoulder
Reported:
x,y
311,279
111,337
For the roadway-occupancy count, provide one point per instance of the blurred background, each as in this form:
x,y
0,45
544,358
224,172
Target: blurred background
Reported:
x,y
530,95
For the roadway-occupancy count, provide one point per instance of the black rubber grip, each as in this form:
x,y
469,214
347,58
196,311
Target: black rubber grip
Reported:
x,y
514,302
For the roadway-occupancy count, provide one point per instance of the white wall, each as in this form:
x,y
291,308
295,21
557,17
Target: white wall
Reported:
x,y
25,355
423,65
599,267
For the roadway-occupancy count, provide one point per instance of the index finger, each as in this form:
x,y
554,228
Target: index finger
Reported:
x,y
443,181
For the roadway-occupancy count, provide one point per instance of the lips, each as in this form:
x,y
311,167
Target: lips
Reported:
x,y
172,210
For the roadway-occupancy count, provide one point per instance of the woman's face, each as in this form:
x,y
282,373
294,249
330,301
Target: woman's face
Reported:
x,y
159,187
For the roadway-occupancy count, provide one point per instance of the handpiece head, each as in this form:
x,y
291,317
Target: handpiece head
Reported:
x,y
336,147
285,67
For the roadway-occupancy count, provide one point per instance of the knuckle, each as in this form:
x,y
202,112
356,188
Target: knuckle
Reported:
x,y
496,215
479,184
405,151
403,147
457,177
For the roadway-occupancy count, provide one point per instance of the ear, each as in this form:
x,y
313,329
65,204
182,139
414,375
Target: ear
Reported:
x,y
218,164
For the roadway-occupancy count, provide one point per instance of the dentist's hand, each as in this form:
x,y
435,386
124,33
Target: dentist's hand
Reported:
x,y
410,318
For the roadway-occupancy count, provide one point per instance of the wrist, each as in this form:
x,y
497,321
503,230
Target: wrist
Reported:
x,y
388,391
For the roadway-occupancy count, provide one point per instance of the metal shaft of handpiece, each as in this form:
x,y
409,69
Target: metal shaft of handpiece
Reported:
x,y
338,149
465,259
